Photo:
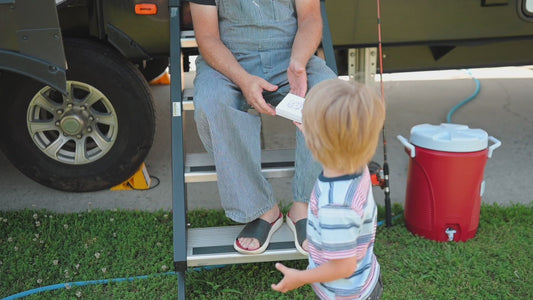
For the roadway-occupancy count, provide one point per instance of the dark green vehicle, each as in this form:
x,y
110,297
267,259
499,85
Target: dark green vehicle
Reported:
x,y
76,111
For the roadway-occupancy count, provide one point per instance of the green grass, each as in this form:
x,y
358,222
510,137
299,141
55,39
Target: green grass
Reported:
x,y
39,248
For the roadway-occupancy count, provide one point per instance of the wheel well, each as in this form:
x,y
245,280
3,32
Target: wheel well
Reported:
x,y
75,18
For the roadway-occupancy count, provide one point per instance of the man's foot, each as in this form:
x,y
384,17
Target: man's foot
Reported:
x,y
297,222
255,236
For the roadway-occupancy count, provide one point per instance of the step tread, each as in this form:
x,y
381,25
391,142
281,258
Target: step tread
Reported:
x,y
208,176
188,40
188,94
200,167
268,156
214,246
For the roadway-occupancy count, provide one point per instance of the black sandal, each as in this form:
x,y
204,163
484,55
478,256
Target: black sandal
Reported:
x,y
258,229
299,229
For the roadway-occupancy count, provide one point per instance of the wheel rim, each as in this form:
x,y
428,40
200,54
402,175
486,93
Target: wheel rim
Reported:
x,y
78,128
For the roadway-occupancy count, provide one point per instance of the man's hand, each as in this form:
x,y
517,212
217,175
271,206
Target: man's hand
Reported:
x,y
252,89
291,280
297,76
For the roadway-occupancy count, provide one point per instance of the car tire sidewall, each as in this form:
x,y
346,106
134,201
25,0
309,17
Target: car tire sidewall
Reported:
x,y
120,81
154,68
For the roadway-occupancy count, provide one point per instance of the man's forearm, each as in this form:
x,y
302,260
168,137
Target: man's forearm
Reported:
x,y
307,39
220,58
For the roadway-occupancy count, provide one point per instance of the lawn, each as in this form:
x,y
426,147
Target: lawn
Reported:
x,y
40,249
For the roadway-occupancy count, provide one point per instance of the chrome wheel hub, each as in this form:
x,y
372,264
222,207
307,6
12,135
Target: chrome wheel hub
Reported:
x,y
78,128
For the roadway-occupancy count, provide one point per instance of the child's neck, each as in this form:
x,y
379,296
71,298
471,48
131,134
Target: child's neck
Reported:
x,y
332,173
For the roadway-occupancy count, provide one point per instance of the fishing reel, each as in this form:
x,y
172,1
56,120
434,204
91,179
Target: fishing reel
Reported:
x,y
376,174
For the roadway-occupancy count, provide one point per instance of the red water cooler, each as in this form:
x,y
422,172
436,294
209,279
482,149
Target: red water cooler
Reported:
x,y
445,180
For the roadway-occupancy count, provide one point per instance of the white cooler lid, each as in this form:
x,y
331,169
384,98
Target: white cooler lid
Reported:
x,y
449,137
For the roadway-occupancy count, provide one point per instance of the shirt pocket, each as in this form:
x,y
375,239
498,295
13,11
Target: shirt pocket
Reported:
x,y
283,9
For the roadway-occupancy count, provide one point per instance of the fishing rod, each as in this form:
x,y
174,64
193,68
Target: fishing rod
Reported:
x,y
385,181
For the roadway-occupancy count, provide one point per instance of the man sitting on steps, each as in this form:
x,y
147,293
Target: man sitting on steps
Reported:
x,y
252,53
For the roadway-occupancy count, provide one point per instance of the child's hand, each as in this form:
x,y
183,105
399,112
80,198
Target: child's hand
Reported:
x,y
291,280
299,125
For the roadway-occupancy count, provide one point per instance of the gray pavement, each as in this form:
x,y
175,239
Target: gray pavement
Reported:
x,y
503,108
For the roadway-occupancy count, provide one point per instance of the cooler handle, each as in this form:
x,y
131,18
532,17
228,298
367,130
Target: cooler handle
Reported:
x,y
496,144
407,145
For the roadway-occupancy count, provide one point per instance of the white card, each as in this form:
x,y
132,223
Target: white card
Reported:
x,y
291,107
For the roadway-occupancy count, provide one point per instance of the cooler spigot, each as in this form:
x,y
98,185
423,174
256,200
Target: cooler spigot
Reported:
x,y
450,232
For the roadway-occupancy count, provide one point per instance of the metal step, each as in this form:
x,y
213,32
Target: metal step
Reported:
x,y
187,103
188,40
214,246
200,167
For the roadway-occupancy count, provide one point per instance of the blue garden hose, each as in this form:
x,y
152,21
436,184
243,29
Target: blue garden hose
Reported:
x,y
93,282
460,104
393,218
77,283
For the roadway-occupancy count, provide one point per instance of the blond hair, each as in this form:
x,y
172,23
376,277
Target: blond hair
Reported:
x,y
341,123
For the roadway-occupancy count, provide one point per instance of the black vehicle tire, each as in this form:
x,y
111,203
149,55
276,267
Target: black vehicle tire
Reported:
x,y
154,68
94,153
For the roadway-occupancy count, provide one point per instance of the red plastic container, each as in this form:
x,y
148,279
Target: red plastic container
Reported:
x,y
445,180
